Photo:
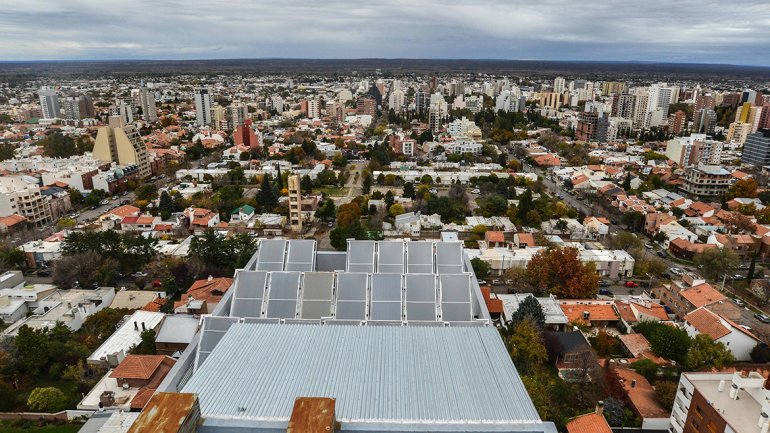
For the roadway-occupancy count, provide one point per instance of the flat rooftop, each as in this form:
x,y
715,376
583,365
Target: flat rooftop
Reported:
x,y
402,378
741,414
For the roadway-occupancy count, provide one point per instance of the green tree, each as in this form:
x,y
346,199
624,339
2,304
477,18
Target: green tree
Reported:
x,y
327,210
634,220
266,197
396,210
48,399
306,184
409,190
625,241
666,341
646,368
147,192
31,347
529,310
147,344
6,151
526,347
666,391
165,205
366,185
707,353
480,268
715,262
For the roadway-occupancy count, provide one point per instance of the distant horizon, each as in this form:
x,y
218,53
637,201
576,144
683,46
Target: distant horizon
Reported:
x,y
331,59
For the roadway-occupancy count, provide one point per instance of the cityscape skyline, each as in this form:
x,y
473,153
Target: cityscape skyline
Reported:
x,y
555,30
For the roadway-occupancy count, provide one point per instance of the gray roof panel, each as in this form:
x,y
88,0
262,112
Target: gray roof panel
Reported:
x,y
404,378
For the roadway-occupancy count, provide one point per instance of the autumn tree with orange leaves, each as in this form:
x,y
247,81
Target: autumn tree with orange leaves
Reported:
x,y
560,272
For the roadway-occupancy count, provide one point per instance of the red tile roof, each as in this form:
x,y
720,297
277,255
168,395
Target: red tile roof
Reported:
x,y
210,290
137,367
702,294
706,322
591,423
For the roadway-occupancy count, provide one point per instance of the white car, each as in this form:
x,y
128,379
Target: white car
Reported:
x,y
676,271
475,191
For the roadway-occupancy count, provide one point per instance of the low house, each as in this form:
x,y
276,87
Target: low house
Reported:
x,y
68,307
571,353
739,340
201,219
644,401
130,385
129,334
685,249
594,313
134,299
596,227
175,334
688,294
242,213
203,296
589,423
634,311
555,320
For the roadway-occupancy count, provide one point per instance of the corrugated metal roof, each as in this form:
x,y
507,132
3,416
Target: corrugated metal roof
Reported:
x,y
402,376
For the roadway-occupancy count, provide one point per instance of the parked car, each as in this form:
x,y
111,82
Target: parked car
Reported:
x,y
606,292
497,282
762,317
743,266
738,277
604,283
676,271
475,191
738,302
631,284
648,246
661,254
43,273
139,274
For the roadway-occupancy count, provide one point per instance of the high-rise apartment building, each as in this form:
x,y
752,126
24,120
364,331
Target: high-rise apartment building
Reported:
x,y
420,101
147,103
678,122
705,121
366,106
437,112
49,103
622,105
20,197
202,106
756,149
559,84
124,146
550,100
641,108
313,108
295,203
613,87
396,100
336,111
693,150
738,132
77,107
236,114
126,113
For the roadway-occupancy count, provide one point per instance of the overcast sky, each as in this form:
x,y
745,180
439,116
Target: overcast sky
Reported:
x,y
710,31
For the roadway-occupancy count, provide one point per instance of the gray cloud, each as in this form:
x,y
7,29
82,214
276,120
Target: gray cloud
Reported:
x,y
717,31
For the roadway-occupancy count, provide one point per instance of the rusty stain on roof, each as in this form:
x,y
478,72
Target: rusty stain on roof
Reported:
x,y
167,412
312,415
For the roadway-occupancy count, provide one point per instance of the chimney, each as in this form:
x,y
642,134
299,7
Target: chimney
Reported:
x,y
721,386
600,407
762,420
733,391
633,383
136,327
143,327
210,278
586,315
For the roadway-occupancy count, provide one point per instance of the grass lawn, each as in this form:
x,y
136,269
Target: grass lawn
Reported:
x,y
32,427
333,190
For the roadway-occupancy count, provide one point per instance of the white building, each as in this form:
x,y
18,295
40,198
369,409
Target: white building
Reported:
x,y
49,103
202,106
739,340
